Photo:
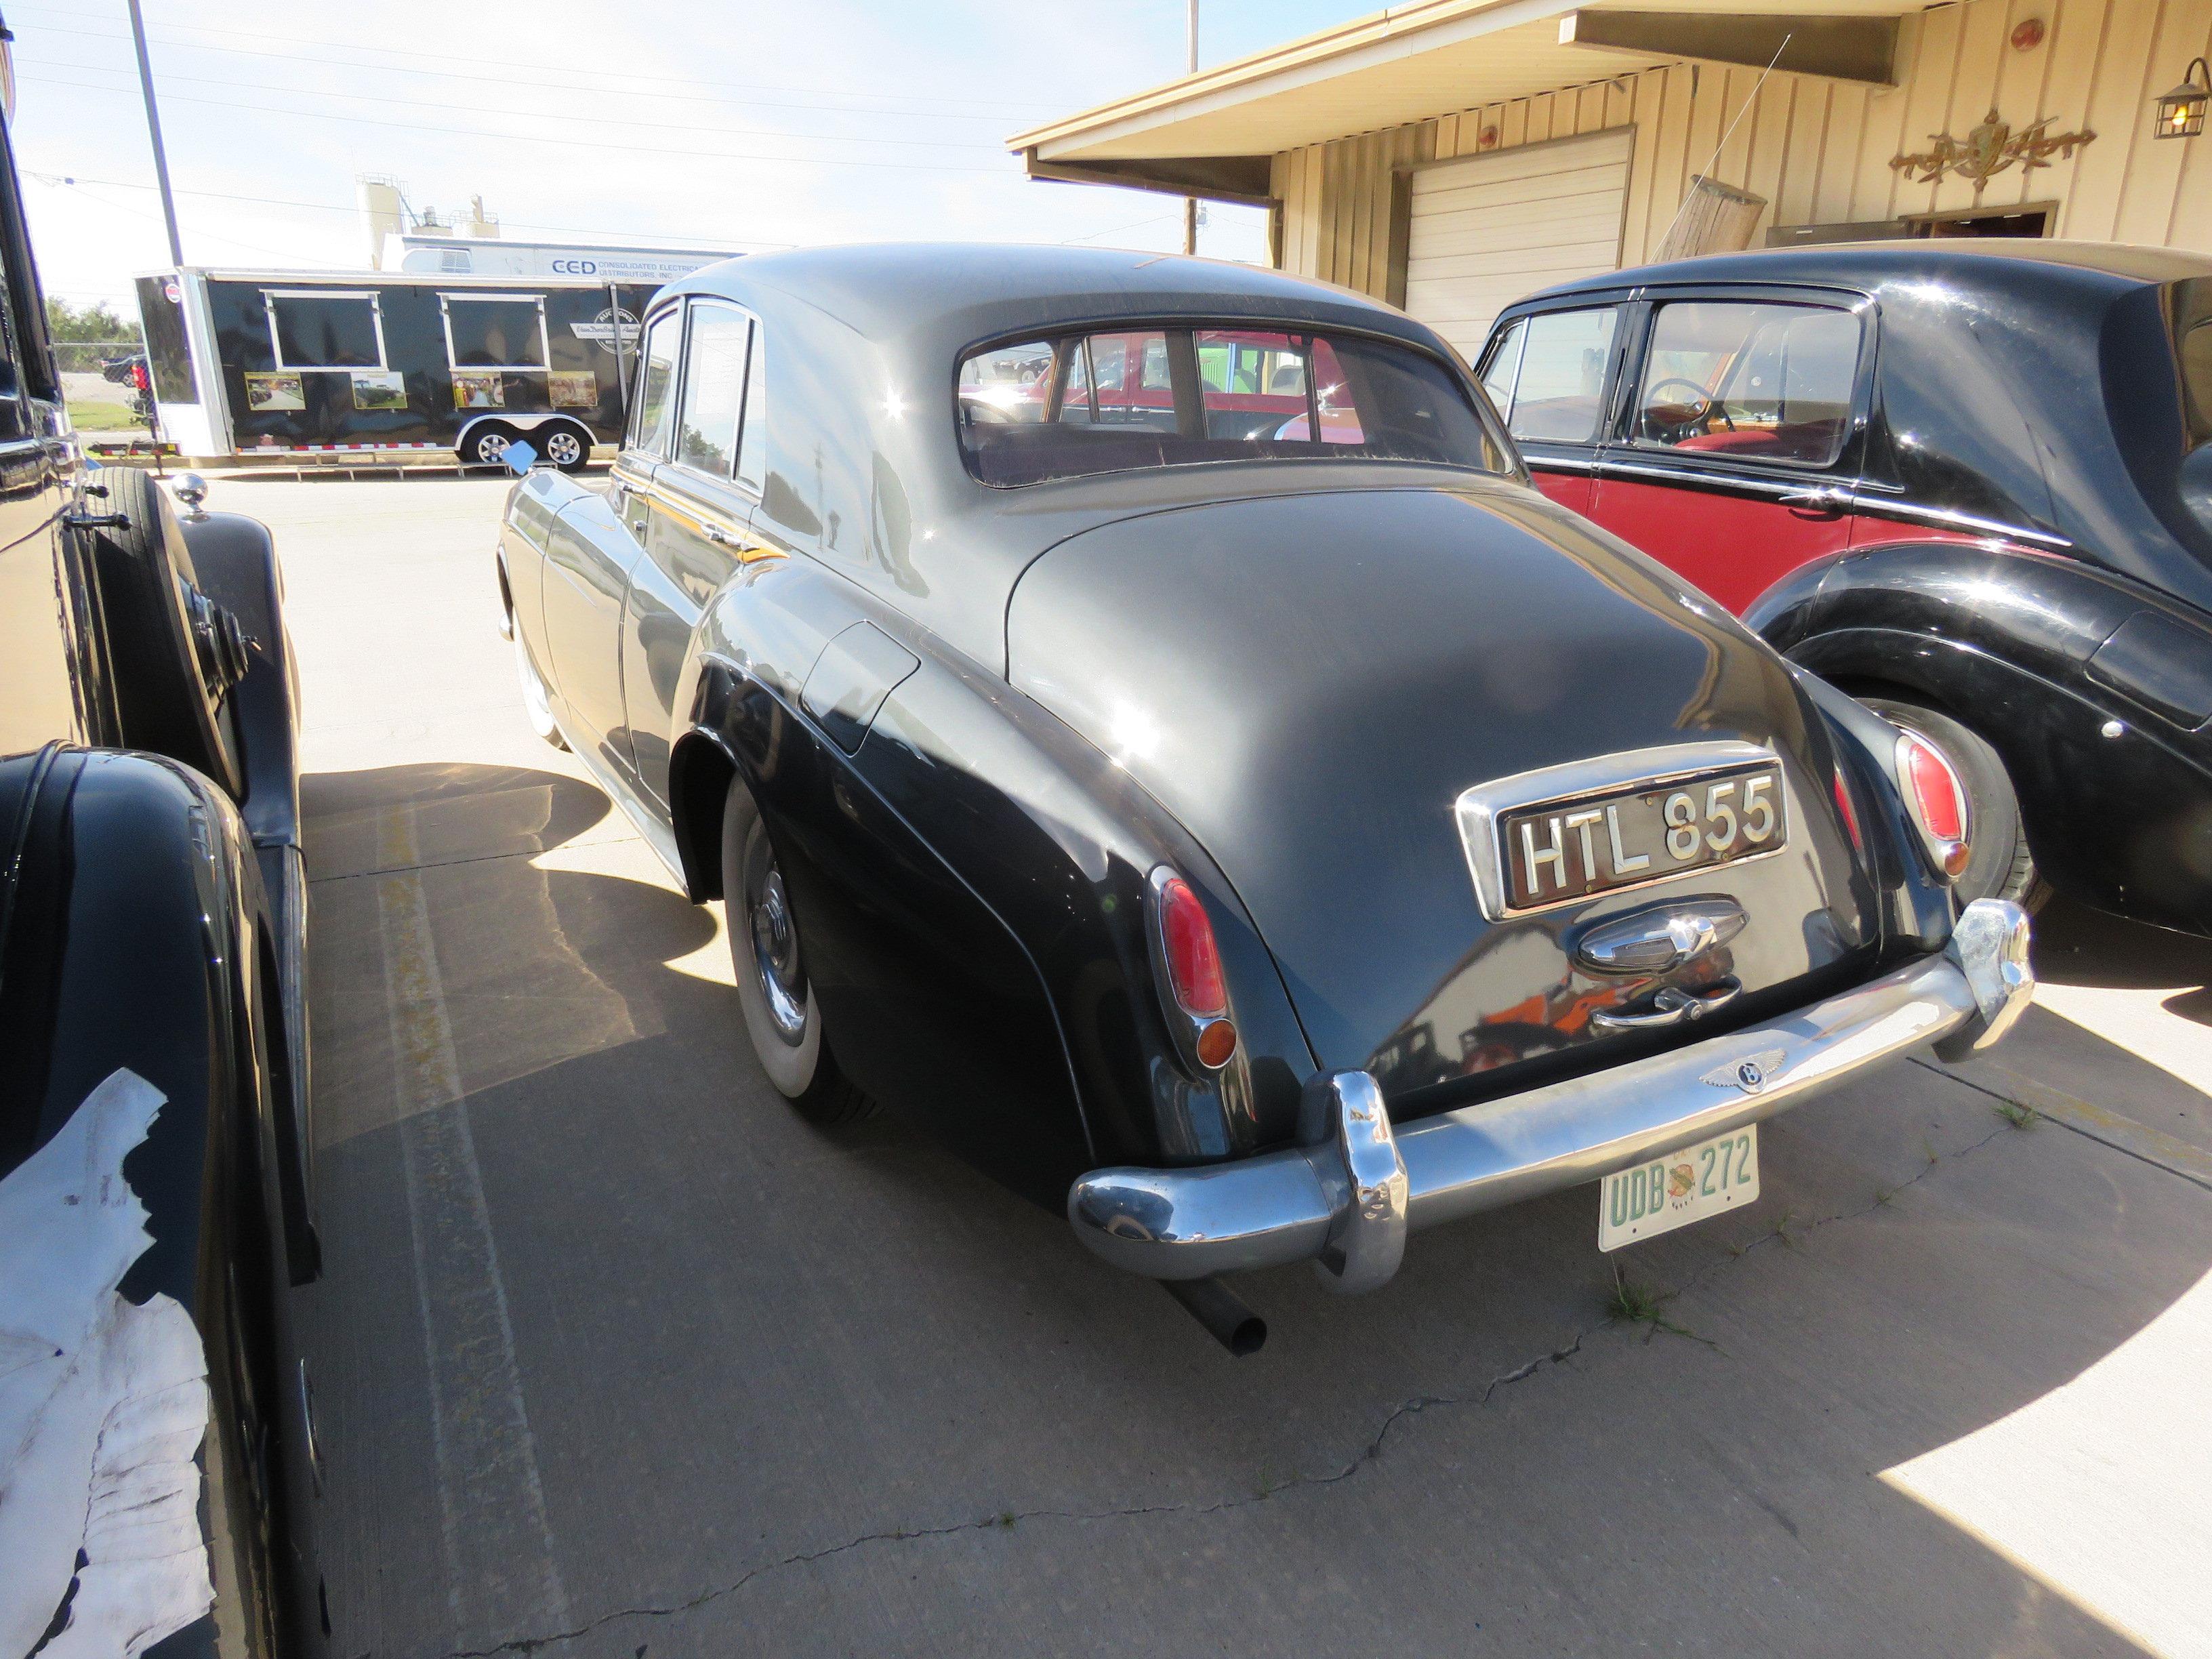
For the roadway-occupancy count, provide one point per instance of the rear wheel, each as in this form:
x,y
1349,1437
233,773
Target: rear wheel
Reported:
x,y
2000,865
768,959
535,703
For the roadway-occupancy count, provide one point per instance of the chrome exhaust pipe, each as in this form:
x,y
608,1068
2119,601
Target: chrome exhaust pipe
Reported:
x,y
1222,1311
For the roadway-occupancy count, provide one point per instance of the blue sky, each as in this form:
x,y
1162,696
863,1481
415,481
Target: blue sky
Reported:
x,y
747,123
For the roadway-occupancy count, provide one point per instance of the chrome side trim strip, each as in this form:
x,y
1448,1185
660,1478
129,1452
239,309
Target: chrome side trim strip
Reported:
x,y
1887,507
1743,484
1298,1204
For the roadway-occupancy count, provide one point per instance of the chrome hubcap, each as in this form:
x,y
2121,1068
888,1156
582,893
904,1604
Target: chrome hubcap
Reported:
x,y
490,447
562,449
775,957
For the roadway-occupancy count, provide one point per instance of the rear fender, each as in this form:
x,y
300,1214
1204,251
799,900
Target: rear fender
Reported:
x,y
143,952
994,826
235,558
2011,641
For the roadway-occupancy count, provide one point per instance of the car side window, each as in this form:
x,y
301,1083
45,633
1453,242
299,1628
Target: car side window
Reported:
x,y
752,432
656,382
1548,377
714,388
1749,379
1503,366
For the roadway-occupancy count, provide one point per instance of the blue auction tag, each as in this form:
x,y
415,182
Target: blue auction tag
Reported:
x,y
520,456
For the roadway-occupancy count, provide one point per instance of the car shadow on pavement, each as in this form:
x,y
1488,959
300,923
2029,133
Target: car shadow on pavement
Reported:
x,y
2076,945
610,1345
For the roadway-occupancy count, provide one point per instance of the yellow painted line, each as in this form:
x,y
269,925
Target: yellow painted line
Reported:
x,y
2113,1129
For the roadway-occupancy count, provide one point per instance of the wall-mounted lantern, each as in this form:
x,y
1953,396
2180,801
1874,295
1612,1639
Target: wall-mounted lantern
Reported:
x,y
2181,111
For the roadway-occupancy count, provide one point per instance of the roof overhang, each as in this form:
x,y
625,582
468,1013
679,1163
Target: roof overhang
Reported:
x,y
1426,59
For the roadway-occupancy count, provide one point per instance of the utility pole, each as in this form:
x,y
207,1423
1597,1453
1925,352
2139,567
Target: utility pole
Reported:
x,y
1189,203
154,128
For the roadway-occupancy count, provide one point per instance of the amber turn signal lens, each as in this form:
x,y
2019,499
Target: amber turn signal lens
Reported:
x,y
1216,1043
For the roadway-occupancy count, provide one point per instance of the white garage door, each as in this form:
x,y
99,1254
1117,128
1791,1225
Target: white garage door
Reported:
x,y
1491,228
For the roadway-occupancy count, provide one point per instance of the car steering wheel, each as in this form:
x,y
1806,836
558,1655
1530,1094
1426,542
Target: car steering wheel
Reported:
x,y
1701,409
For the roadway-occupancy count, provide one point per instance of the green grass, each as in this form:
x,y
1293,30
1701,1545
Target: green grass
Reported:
x,y
103,416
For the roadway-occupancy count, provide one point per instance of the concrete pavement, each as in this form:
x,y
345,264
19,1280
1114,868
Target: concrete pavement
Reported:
x,y
615,1357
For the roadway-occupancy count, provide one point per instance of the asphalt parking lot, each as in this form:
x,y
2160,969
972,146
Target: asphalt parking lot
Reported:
x,y
613,1357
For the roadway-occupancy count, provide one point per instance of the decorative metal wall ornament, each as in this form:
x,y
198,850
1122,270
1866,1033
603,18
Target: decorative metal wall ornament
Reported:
x,y
1989,149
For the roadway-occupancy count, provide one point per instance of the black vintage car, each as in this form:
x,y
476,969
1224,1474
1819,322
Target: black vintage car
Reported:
x,y
1969,481
157,1467
1140,719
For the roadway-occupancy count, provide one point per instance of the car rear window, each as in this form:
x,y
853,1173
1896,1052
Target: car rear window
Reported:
x,y
1080,405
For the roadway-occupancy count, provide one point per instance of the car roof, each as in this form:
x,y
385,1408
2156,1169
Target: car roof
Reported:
x,y
938,291
1974,262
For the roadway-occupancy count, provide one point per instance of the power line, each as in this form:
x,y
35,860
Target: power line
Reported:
x,y
1137,224
235,241
655,91
539,138
71,179
527,114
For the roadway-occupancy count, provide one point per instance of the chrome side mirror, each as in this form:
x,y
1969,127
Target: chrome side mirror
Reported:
x,y
191,490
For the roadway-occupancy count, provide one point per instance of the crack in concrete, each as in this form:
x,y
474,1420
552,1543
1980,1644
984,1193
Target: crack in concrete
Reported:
x,y
1887,1196
1369,1453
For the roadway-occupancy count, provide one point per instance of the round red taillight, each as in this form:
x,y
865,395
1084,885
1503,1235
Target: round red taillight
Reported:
x,y
1935,790
1842,792
1938,803
1193,962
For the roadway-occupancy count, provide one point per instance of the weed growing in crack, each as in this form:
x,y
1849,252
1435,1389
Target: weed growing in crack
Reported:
x,y
2019,1116
1632,1304
1885,1194
1005,1518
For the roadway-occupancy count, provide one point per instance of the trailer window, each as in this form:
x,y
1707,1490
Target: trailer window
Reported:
x,y
312,330
713,389
494,331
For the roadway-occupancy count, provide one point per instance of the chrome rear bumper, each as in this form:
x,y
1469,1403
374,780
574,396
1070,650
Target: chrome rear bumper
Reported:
x,y
1346,1198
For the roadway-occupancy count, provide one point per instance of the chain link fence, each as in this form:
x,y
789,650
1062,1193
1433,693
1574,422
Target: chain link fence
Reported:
x,y
87,357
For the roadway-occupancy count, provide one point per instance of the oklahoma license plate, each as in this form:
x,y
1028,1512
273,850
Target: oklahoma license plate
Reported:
x,y
1672,1190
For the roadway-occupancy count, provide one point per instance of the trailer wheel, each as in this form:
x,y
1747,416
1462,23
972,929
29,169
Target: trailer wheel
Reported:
x,y
565,445
486,445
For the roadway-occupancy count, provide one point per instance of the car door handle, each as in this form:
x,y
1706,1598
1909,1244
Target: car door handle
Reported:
x,y
719,536
1671,1006
1821,498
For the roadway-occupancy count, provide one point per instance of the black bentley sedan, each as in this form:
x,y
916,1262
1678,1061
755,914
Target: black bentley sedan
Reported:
x,y
157,1461
1137,717
1969,481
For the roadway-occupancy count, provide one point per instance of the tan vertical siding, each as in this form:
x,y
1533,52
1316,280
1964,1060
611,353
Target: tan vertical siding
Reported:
x,y
1819,151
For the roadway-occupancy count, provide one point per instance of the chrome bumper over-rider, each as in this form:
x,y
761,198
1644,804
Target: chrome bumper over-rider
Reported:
x,y
1347,1196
